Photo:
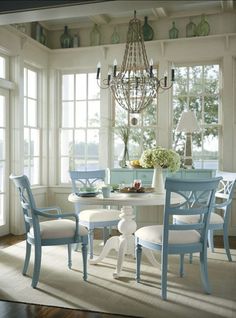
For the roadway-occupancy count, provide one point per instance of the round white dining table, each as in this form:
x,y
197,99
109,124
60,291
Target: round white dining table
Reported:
x,y
124,244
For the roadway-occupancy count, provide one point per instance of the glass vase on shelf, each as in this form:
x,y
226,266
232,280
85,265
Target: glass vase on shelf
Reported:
x,y
115,38
95,36
148,33
190,29
203,28
173,32
75,41
66,39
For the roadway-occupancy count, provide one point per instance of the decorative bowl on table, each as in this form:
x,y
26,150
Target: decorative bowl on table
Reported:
x,y
132,191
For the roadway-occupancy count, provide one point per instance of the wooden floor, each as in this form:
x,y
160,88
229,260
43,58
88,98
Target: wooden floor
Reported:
x,y
9,309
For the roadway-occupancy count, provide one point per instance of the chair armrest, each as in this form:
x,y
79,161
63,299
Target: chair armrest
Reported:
x,y
50,208
223,204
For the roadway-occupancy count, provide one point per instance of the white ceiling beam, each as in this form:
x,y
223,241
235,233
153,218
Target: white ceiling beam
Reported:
x,y
159,12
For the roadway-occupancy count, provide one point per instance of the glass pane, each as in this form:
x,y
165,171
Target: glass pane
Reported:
x,y
80,164
211,110
93,88
26,142
66,143
80,143
2,214
26,167
135,143
2,111
25,111
2,172
92,164
149,114
64,170
94,114
195,104
32,113
32,84
211,77
81,114
179,104
68,87
34,171
121,116
210,143
2,144
34,142
68,114
195,80
81,86
180,86
92,143
2,67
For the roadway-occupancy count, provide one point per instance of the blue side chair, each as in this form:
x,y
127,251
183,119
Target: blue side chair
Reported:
x,y
196,197
219,219
96,217
57,229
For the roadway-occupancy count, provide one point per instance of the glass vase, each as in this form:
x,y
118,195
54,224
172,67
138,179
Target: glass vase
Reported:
x,y
203,28
173,32
191,29
147,30
95,36
66,39
124,157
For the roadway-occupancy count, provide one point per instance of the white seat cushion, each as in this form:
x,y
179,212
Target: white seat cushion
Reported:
x,y
191,219
99,215
153,234
59,229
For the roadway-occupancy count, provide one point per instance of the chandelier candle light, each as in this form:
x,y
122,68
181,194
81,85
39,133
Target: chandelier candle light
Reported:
x,y
135,85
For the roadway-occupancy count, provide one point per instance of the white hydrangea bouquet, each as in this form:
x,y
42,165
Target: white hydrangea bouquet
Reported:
x,y
160,157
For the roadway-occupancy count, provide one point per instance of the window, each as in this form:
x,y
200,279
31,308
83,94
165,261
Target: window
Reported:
x,y
80,123
142,130
197,87
2,67
31,129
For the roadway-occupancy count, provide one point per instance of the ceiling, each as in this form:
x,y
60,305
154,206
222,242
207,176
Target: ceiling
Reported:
x,y
55,14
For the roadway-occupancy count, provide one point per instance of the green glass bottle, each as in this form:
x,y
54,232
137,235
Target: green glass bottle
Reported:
x,y
115,38
190,29
148,33
66,39
173,32
95,36
203,28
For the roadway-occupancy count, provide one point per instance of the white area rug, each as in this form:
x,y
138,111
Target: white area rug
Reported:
x,y
59,286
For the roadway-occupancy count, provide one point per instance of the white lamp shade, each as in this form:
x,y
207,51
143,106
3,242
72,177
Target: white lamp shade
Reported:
x,y
188,122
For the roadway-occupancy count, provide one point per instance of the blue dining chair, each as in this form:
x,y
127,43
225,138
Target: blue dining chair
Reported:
x,y
219,219
96,217
196,197
57,229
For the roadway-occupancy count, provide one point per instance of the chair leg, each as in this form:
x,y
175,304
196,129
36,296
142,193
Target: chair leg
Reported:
x,y
164,266
204,271
211,240
69,256
181,267
138,261
37,265
84,256
91,243
27,258
226,243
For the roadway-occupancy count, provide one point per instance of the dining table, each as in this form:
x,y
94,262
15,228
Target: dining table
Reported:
x,y
124,243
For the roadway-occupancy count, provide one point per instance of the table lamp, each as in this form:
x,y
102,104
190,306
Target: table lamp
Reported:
x,y
188,124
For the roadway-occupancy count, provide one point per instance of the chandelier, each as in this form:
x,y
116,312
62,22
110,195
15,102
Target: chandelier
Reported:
x,y
135,85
